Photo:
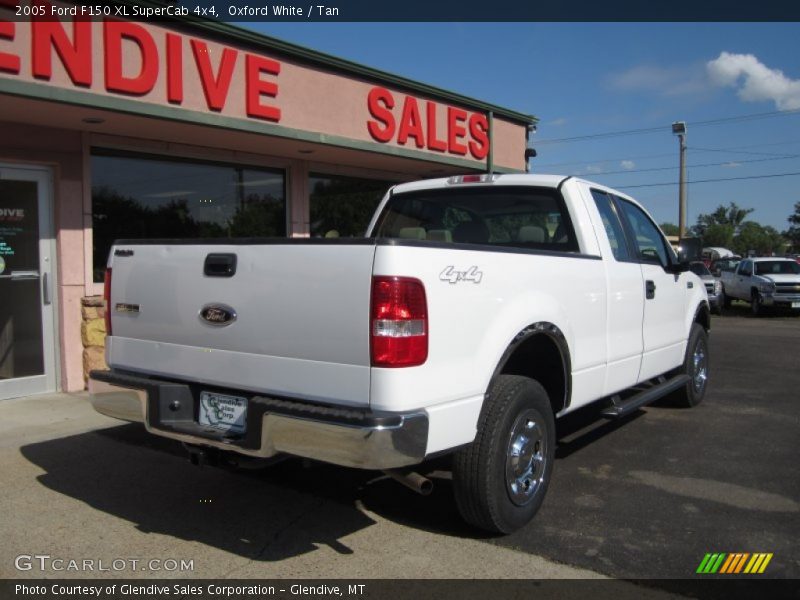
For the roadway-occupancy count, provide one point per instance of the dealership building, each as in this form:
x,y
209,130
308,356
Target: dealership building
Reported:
x,y
112,128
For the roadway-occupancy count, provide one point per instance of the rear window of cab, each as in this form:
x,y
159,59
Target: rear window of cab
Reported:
x,y
516,217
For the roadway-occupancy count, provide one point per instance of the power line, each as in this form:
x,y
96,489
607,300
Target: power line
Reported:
x,y
698,166
725,120
628,187
604,160
732,150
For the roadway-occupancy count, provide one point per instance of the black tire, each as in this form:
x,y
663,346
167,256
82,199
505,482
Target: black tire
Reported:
x,y
755,304
725,300
501,478
696,365
718,308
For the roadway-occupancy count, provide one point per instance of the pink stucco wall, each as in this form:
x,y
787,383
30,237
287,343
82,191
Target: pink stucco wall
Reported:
x,y
61,152
310,98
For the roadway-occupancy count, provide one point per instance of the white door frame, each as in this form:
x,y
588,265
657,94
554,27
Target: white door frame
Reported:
x,y
49,381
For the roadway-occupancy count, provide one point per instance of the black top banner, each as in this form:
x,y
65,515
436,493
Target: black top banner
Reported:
x,y
438,10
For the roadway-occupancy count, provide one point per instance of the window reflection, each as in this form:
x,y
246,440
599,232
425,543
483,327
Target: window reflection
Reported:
x,y
343,206
135,197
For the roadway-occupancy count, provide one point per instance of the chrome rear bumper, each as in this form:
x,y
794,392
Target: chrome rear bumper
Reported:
x,y
359,439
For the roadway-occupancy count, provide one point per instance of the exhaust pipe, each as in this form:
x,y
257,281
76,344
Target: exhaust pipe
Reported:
x,y
412,480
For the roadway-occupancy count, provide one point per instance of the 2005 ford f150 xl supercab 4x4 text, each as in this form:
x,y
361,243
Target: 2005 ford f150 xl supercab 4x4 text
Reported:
x,y
477,309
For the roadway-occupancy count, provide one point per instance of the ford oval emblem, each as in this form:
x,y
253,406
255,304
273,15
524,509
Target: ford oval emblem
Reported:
x,y
218,314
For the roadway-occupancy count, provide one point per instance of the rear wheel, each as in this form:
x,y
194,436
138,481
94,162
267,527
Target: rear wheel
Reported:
x,y
500,480
696,365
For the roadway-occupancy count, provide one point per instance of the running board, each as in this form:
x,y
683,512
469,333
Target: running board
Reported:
x,y
621,408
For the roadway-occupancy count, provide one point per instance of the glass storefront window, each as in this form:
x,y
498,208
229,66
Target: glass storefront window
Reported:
x,y
142,197
343,206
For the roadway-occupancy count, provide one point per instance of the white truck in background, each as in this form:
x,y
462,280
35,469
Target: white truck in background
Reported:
x,y
477,310
764,282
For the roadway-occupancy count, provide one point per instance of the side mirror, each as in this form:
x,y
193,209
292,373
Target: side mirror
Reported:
x,y
682,256
679,267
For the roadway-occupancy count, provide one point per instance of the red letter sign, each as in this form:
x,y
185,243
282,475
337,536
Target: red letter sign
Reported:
x,y
382,114
410,124
214,88
114,32
479,130
75,56
174,68
8,62
456,130
255,65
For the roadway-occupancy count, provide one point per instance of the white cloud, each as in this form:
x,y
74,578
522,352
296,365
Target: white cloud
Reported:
x,y
627,165
558,122
755,82
594,169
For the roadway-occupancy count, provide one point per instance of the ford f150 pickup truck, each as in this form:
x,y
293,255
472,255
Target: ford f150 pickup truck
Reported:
x,y
763,282
477,309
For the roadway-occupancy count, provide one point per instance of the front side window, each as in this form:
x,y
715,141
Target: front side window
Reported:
x,y
142,197
649,242
519,217
746,269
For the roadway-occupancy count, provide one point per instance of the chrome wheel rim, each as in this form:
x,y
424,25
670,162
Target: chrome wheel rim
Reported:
x,y
699,367
525,458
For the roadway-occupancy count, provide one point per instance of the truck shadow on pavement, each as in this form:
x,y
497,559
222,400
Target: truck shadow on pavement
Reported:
x,y
270,514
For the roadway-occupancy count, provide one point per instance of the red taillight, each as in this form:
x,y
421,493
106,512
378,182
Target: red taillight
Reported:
x,y
107,298
399,322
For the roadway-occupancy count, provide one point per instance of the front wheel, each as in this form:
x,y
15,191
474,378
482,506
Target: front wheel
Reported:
x,y
501,478
726,300
696,365
755,304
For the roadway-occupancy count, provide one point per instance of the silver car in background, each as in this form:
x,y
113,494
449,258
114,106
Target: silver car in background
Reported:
x,y
713,285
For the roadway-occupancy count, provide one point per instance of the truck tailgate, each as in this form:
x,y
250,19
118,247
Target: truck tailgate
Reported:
x,y
301,325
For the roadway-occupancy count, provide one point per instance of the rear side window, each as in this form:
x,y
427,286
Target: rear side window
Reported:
x,y
612,225
516,217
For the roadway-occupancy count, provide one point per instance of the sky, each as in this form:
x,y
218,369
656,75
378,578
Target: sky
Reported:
x,y
583,79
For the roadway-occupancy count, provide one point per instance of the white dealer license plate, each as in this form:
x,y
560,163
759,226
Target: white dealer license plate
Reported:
x,y
227,413
795,304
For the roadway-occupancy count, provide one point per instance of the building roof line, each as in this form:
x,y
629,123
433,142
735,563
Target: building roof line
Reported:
x,y
263,42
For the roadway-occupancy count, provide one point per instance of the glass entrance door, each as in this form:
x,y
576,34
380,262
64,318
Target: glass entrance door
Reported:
x,y
27,336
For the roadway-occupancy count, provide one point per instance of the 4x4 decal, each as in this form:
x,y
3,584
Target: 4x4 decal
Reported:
x,y
452,276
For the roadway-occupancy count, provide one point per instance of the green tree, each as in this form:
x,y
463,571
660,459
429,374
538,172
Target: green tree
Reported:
x,y
763,240
733,215
793,233
718,235
670,229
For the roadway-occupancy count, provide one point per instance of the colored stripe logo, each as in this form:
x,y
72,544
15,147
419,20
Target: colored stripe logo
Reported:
x,y
734,563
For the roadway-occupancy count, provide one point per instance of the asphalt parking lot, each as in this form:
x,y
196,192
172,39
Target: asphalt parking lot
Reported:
x,y
644,497
650,496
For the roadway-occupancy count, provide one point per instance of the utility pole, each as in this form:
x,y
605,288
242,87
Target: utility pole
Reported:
x,y
679,129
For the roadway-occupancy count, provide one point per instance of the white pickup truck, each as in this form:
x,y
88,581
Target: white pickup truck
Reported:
x,y
763,282
477,310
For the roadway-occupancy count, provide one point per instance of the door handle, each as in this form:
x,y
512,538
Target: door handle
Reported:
x,y
46,288
650,289
22,275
